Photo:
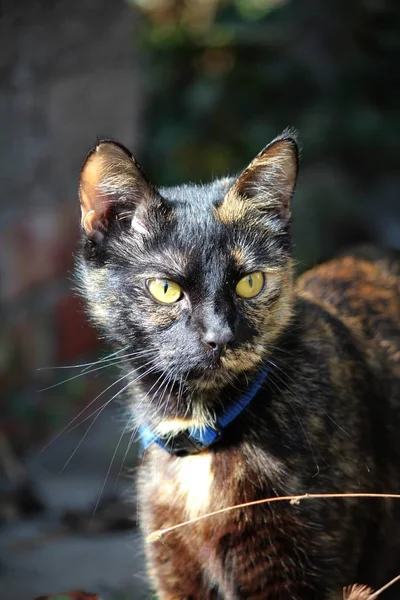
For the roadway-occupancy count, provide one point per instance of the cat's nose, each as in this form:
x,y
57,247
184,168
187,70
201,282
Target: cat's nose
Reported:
x,y
217,340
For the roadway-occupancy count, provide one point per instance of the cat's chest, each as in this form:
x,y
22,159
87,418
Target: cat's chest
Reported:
x,y
180,489
176,491
183,488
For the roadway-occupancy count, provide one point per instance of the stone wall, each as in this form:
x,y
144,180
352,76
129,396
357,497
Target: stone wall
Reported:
x,y
68,73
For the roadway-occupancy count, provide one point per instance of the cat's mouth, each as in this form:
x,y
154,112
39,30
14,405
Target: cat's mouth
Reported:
x,y
213,374
208,371
219,371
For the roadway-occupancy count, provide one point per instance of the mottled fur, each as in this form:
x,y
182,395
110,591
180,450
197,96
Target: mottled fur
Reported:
x,y
325,420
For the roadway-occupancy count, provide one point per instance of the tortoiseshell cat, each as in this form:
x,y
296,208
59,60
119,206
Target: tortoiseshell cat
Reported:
x,y
246,384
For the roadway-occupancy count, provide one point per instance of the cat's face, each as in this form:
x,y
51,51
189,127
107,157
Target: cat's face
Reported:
x,y
197,278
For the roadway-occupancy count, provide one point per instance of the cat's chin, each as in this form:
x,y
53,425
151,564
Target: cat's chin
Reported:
x,y
215,376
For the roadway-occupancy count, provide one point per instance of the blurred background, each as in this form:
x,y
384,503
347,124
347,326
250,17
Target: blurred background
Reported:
x,y
195,89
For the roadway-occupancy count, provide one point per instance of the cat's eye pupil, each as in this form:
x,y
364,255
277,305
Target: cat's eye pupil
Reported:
x,y
164,290
250,285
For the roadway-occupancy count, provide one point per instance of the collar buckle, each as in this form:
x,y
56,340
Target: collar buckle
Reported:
x,y
184,443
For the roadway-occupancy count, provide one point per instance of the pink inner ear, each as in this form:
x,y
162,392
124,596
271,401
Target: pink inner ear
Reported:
x,y
88,220
275,167
94,203
112,179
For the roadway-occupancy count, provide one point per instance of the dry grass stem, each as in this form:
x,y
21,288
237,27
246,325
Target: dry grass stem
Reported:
x,y
362,592
156,535
385,587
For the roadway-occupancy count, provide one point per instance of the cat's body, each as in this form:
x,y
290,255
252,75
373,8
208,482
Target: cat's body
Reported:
x,y
325,422
325,419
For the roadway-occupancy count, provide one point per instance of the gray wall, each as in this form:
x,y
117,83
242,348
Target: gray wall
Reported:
x,y
69,72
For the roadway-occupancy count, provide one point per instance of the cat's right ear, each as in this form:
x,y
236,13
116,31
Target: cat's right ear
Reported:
x,y
111,186
268,183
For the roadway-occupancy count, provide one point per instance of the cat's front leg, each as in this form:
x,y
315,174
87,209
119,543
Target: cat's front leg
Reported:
x,y
175,573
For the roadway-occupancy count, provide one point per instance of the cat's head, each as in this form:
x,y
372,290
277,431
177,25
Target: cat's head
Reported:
x,y
196,278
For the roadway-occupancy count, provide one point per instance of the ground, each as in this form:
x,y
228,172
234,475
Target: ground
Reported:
x,y
40,555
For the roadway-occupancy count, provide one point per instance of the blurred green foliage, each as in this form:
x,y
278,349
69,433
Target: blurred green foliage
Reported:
x,y
226,76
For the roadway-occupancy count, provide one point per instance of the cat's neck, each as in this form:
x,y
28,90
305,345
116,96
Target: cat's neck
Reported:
x,y
189,405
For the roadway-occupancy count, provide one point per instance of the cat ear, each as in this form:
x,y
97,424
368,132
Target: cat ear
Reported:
x,y
270,179
111,186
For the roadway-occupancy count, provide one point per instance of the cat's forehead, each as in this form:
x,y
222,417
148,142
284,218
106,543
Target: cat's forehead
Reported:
x,y
198,234
194,222
200,197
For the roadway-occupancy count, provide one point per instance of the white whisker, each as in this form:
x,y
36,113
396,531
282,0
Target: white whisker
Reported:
x,y
105,405
87,407
115,362
108,471
103,359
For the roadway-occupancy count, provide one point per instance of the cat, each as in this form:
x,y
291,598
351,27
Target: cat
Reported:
x,y
245,383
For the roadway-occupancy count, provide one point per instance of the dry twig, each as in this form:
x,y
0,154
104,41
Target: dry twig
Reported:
x,y
362,592
156,535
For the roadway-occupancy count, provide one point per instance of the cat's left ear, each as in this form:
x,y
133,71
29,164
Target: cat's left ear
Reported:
x,y
270,179
112,187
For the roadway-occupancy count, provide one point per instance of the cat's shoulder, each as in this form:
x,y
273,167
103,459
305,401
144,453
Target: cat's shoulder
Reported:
x,y
361,290
354,282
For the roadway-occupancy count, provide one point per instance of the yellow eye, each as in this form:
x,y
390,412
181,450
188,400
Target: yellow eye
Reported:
x,y
164,290
250,285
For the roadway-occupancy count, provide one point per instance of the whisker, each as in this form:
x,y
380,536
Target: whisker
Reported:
x,y
165,383
108,472
87,407
162,377
170,392
134,432
128,447
179,397
104,358
103,408
337,425
71,429
86,372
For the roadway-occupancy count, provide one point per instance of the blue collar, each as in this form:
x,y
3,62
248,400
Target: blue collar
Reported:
x,y
196,439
